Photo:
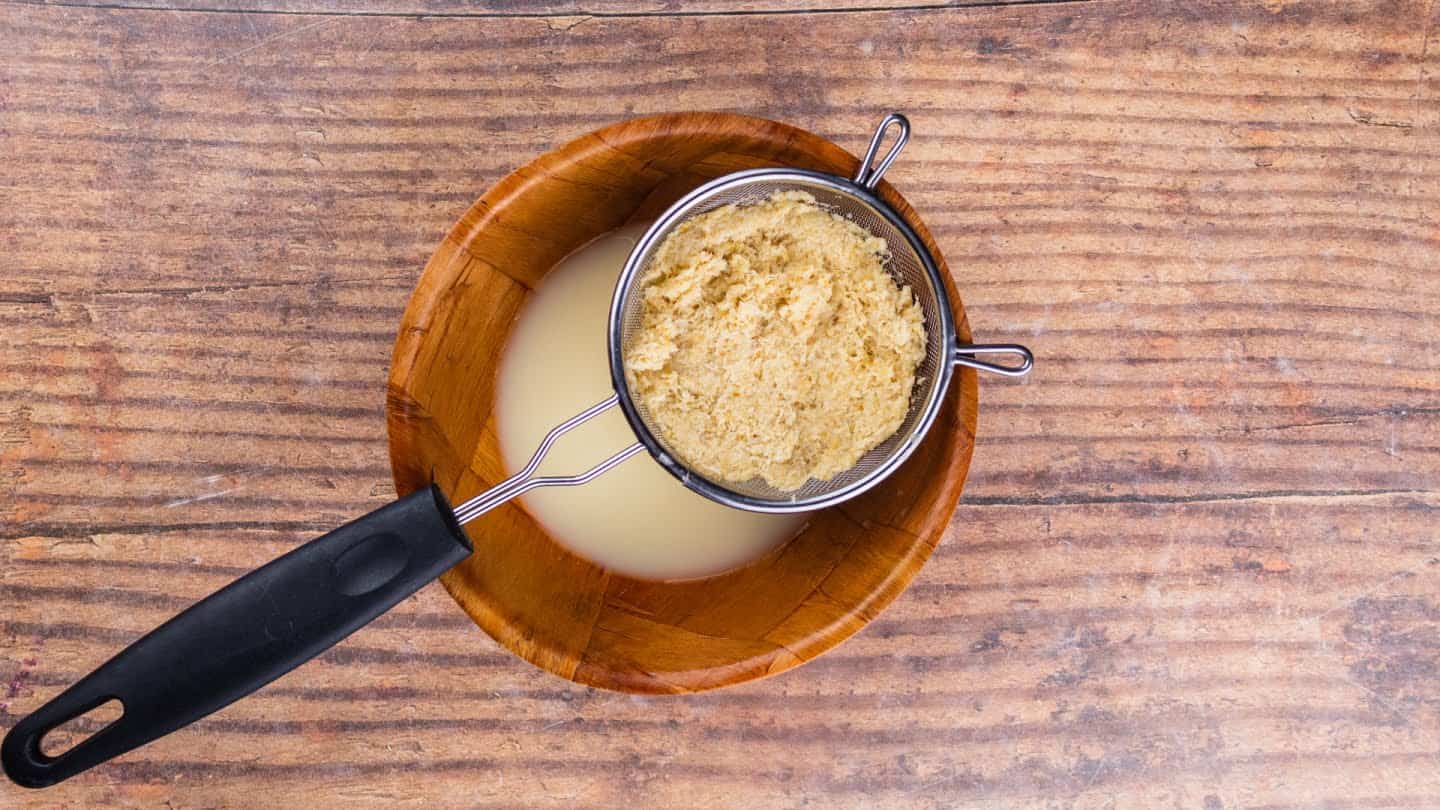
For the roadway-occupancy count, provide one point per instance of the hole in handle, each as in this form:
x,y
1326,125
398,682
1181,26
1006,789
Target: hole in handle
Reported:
x,y
63,738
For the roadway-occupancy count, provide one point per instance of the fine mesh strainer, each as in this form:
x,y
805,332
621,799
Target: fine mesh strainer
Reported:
x,y
280,615
909,261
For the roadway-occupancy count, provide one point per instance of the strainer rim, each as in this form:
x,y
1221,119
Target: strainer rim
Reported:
x,y
716,490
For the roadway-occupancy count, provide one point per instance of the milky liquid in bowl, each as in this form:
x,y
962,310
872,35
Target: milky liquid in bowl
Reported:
x,y
635,519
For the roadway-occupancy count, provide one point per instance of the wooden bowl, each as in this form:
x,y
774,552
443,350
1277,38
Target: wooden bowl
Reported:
x,y
560,611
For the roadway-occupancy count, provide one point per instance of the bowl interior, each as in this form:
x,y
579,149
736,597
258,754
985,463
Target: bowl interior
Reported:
x,y
558,610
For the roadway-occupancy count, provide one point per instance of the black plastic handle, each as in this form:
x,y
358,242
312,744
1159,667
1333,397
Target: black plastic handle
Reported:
x,y
246,634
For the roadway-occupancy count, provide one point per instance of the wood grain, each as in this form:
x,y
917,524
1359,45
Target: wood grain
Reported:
x,y
1196,562
536,9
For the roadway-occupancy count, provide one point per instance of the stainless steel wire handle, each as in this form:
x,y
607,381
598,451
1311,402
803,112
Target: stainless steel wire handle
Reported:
x,y
524,481
869,178
962,358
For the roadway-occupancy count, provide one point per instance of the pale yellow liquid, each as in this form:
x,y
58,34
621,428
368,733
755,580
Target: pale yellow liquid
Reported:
x,y
636,519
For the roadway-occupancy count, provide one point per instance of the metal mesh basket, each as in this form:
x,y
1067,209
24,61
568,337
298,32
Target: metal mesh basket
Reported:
x,y
907,261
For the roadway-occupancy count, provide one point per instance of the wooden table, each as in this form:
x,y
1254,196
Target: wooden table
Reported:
x,y
1197,563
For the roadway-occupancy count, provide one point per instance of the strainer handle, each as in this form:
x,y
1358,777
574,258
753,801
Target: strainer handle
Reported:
x,y
526,480
868,177
963,357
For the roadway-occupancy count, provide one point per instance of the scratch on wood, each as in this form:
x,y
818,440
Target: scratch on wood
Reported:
x,y
273,38
1372,119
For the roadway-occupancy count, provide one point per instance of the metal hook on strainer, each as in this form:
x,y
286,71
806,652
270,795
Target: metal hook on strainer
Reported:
x,y
868,177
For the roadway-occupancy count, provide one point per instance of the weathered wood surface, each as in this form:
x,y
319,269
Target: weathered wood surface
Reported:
x,y
537,9
1196,563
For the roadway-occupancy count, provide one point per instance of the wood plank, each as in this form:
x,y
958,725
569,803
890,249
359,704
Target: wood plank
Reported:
x,y
1196,561
539,9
